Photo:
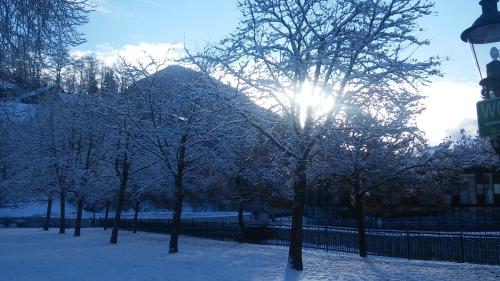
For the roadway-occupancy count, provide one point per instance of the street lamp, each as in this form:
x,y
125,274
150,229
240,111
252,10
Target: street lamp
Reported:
x,y
483,37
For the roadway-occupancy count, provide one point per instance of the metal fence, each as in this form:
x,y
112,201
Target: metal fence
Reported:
x,y
412,223
208,230
453,219
471,247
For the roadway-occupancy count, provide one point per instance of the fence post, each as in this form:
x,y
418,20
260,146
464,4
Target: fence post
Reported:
x,y
408,247
326,238
462,256
498,254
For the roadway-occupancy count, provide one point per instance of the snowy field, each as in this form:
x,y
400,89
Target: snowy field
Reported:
x,y
40,209
31,254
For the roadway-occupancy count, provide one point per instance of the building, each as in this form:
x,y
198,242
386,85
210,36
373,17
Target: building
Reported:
x,y
481,188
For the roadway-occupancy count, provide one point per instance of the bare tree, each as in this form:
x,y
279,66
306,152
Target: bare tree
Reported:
x,y
36,32
126,157
377,152
182,120
309,60
87,151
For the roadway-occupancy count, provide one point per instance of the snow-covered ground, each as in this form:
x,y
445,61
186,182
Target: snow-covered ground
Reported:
x,y
39,209
31,254
6,85
17,111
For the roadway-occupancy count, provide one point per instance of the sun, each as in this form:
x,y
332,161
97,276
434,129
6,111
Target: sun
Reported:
x,y
316,99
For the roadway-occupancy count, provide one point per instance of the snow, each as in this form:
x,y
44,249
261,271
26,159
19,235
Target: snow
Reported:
x,y
6,85
35,92
17,111
31,254
40,209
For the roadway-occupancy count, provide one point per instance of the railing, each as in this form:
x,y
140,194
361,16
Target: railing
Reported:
x,y
412,223
471,247
454,219
208,230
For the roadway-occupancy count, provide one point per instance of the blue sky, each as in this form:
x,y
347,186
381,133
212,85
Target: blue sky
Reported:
x,y
125,24
120,22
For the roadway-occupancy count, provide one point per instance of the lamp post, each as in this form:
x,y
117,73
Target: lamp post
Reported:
x,y
484,37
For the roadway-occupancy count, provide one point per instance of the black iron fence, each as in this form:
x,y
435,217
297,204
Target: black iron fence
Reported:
x,y
208,230
471,247
412,223
453,219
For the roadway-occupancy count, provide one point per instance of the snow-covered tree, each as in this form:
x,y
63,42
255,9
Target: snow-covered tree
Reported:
x,y
109,83
380,150
87,151
126,157
15,146
146,190
246,175
309,60
36,33
50,150
180,120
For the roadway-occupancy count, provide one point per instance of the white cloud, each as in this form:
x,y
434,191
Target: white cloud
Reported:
x,y
450,107
134,54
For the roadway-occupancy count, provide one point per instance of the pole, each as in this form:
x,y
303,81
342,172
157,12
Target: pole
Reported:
x,y
408,246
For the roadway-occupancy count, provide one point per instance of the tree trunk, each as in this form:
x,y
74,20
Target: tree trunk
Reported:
x,y
179,196
58,76
137,202
93,218
79,210
106,216
122,172
361,223
47,216
241,223
176,218
299,188
62,222
119,205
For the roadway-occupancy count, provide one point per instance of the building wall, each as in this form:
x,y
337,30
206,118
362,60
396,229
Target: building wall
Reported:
x,y
480,189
